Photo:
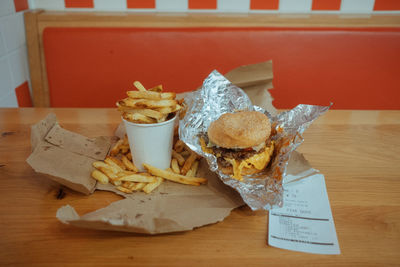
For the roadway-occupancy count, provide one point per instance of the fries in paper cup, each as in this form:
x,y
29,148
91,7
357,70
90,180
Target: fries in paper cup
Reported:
x,y
149,117
148,106
144,158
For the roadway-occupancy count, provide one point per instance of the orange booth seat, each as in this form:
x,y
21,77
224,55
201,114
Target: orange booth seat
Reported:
x,y
355,68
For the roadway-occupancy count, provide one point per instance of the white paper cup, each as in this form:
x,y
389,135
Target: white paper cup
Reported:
x,y
151,143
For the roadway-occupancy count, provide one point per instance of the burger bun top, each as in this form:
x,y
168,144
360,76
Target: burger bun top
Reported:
x,y
242,129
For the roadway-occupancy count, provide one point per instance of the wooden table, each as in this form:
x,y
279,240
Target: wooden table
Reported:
x,y
357,151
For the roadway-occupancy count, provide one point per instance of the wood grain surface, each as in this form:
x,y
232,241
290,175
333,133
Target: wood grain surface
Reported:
x,y
357,151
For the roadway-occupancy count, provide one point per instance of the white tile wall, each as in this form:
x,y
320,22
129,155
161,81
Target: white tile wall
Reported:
x,y
172,5
13,29
6,7
13,55
51,4
5,77
3,49
357,6
295,6
9,101
233,5
31,4
18,66
107,5
238,6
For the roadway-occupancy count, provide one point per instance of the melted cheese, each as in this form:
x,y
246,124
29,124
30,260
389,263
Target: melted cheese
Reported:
x,y
258,161
204,146
258,148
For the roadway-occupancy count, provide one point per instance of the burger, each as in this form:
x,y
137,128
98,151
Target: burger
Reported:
x,y
241,142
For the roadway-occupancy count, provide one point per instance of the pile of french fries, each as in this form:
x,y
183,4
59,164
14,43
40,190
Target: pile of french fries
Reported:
x,y
148,106
119,170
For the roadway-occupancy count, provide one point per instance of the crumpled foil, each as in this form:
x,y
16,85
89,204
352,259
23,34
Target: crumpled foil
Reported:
x,y
262,191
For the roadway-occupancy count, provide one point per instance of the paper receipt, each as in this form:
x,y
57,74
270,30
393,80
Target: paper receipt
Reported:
x,y
305,221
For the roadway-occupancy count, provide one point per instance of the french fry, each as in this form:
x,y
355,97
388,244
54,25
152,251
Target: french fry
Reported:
x,y
124,189
124,149
139,86
148,106
125,173
129,164
179,146
115,150
116,182
100,177
113,176
157,88
188,163
148,112
151,186
128,103
138,118
131,185
129,155
127,184
150,95
183,111
101,164
115,163
144,103
169,95
163,118
193,170
121,106
176,155
144,95
137,177
174,166
138,186
167,110
133,108
126,141
185,153
173,176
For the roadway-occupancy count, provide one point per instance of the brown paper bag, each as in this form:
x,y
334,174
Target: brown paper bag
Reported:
x,y
255,80
64,156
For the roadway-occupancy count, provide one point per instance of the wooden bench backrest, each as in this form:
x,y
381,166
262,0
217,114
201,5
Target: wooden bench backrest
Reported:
x,y
91,59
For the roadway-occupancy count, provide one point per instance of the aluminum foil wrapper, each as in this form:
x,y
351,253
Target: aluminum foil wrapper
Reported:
x,y
262,191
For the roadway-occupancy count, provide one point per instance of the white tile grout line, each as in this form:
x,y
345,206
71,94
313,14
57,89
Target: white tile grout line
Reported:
x,y
12,76
12,51
12,14
4,40
31,4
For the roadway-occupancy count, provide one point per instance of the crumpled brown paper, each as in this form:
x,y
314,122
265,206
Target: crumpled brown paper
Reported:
x,y
255,80
170,208
65,156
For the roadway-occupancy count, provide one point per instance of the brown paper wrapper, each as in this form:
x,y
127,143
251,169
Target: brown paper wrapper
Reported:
x,y
64,156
